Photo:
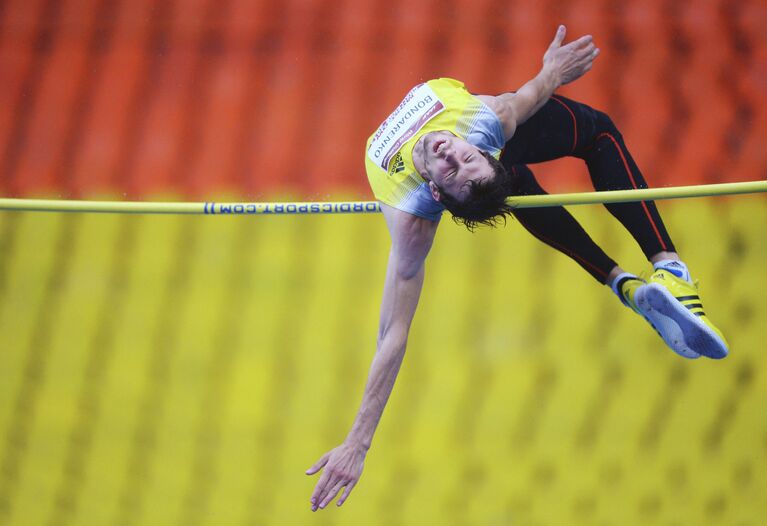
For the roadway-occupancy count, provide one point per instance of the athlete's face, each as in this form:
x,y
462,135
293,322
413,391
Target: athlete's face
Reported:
x,y
451,163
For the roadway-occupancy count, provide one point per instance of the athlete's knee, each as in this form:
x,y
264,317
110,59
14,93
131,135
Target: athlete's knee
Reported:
x,y
593,126
604,125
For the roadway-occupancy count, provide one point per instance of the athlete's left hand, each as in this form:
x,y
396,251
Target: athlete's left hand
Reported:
x,y
343,469
571,61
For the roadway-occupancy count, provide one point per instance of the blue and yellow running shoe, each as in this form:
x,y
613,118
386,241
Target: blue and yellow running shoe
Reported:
x,y
673,306
626,286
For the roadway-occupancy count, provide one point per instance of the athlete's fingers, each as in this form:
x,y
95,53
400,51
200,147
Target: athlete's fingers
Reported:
x,y
329,483
318,465
559,37
333,479
589,59
320,489
581,42
332,494
586,51
348,490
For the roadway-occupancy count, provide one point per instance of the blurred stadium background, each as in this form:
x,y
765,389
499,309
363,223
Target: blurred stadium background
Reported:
x,y
187,370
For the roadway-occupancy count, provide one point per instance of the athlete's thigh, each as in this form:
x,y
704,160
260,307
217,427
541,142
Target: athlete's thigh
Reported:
x,y
551,133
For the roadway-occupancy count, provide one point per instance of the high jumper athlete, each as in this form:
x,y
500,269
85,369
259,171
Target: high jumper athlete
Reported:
x,y
445,148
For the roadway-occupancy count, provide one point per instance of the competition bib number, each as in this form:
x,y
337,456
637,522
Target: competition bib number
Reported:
x,y
418,107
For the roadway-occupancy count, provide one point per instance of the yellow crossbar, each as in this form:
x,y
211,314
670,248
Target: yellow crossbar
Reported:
x,y
352,207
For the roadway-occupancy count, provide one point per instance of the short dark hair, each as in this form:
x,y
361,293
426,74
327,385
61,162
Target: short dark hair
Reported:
x,y
486,202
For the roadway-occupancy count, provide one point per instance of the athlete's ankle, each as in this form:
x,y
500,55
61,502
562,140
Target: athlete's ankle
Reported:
x,y
675,266
664,255
618,284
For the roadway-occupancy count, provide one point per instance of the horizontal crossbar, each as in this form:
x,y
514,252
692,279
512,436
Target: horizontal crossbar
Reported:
x,y
352,207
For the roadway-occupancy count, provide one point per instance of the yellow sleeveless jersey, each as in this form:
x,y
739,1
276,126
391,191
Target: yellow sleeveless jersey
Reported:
x,y
441,104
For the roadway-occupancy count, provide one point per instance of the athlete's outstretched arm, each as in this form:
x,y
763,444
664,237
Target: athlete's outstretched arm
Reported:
x,y
412,238
561,65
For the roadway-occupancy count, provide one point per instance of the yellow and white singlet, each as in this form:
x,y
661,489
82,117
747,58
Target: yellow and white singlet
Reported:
x,y
441,104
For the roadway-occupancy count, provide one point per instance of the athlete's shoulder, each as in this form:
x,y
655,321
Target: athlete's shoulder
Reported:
x,y
447,81
448,85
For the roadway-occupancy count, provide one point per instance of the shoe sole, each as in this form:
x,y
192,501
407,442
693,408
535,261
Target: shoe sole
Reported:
x,y
684,332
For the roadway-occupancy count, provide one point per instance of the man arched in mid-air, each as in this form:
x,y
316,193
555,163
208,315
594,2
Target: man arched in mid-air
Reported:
x,y
444,148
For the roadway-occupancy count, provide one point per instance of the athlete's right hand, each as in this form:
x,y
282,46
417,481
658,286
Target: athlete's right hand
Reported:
x,y
571,61
343,467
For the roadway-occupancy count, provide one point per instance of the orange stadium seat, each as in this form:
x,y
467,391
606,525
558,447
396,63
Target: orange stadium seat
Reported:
x,y
173,101
641,88
318,95
287,100
134,20
233,99
244,19
708,87
22,26
749,157
751,15
253,38
162,127
700,144
18,34
107,136
588,18
188,20
414,51
259,43
225,75
20,18
470,59
77,18
648,97
212,164
49,123
526,44
334,156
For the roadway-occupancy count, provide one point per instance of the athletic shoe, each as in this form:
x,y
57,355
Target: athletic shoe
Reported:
x,y
628,288
672,305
